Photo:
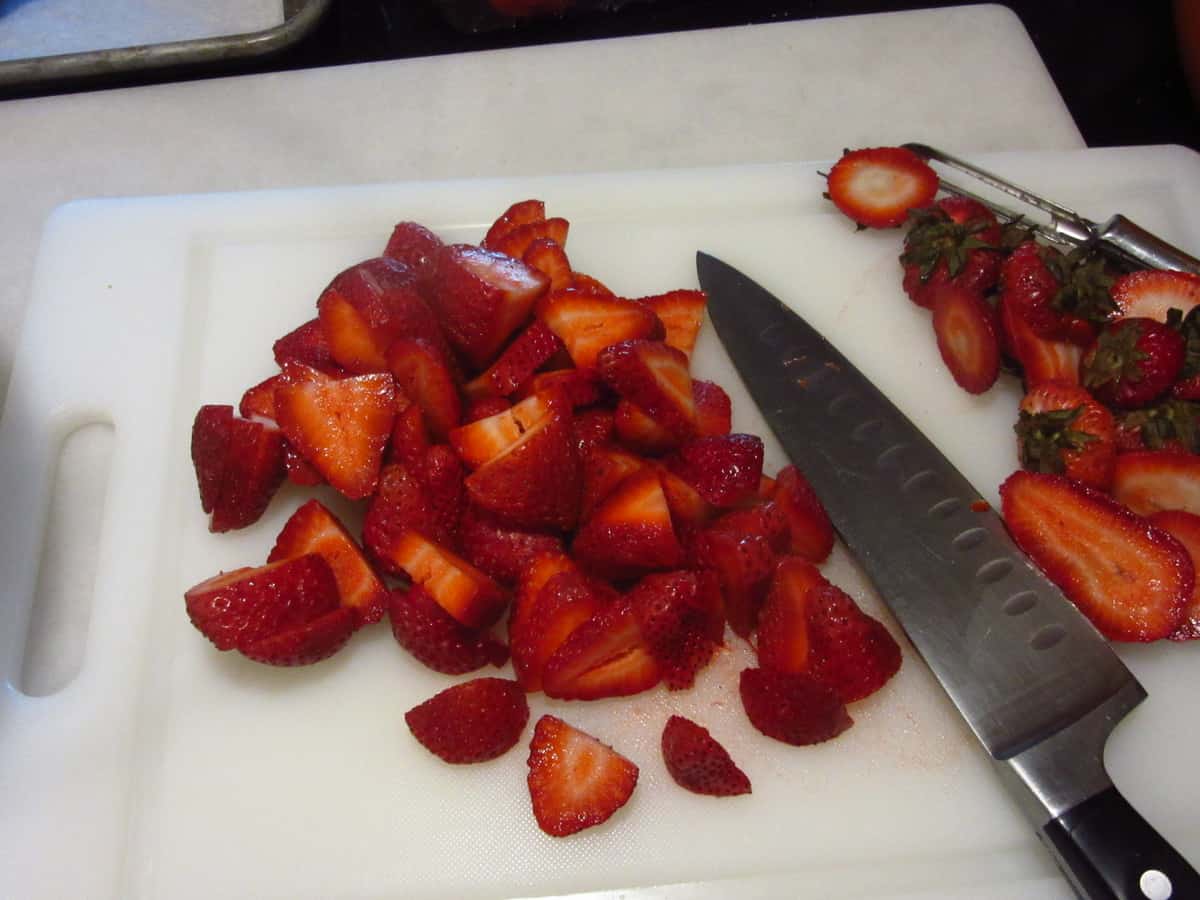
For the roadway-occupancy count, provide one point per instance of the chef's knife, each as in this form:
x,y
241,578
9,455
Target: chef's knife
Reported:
x,y
1038,685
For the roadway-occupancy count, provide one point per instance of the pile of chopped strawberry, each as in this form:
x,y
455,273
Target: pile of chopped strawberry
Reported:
x,y
541,478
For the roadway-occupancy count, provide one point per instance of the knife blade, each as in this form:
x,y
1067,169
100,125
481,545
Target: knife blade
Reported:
x,y
1038,685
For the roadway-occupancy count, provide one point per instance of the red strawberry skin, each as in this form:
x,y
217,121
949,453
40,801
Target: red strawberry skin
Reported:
x,y
653,376
725,469
523,212
404,500
472,722
253,471
210,448
698,763
808,523
499,551
436,639
1133,362
303,645
564,603
849,651
1061,429
307,344
607,656
793,708
418,248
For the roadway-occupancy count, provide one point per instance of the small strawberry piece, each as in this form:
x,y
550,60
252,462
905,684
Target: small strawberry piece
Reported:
x,y
531,350
418,248
259,400
743,564
764,518
548,257
459,588
540,570
698,763
1132,580
811,530
314,529
586,284
405,500
236,609
340,425
635,429
517,241
422,373
1133,362
591,428
502,552
436,639
472,722
876,187
1150,293
689,509
629,533
250,476
851,652
966,330
682,314
306,344
955,241
575,781
581,387
410,438
606,656
299,470
1147,481
1041,359
481,299
655,377
783,638
485,439
714,412
210,450
1061,429
303,645
565,602
587,323
604,467
678,620
1185,528
724,469
793,708
521,213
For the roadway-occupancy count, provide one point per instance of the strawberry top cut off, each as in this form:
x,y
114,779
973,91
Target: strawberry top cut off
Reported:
x,y
876,187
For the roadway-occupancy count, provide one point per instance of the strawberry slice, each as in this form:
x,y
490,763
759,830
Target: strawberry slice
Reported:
x,y
565,602
1185,528
517,241
1041,359
250,474
423,374
548,257
680,620
725,469
783,630
340,425
629,533
808,522
210,449
407,500
966,330
531,350
714,411
604,467
795,709
471,722
849,651
1149,480
459,588
438,640
1150,293
764,518
485,439
655,377
877,186
306,344
591,428
575,781
236,609
587,323
520,213
502,552
698,763
1131,579
418,248
314,529
606,656
682,314
303,645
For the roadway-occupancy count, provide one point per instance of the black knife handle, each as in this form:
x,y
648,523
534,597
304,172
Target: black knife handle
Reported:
x,y
1111,853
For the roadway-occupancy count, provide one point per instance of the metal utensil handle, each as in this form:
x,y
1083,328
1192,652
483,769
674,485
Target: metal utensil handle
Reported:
x,y
1145,247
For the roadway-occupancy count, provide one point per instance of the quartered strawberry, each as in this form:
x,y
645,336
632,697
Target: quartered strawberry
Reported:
x,y
637,430
1149,480
849,651
630,532
210,449
654,377
575,781
476,408
698,763
459,588
236,609
1185,528
259,400
314,529
604,467
877,186
406,500
1061,429
743,564
1150,293
520,213
586,284
689,509
1133,362
954,241
517,241
1040,359
765,518
724,469
1131,579
418,248
528,352
808,523
682,314
482,297
339,424
471,722
502,552
438,640
303,645
547,256
410,438
540,569
423,373
967,337
680,617
485,439
783,629
565,602
587,323
306,344
250,474
581,387
591,428
714,412
606,656
793,708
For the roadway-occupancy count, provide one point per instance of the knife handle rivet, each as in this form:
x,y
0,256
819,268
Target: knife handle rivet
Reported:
x,y
1047,637
969,539
1019,604
997,569
1155,885
944,509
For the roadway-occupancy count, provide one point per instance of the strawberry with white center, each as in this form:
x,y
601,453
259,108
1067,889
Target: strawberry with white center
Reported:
x,y
1151,293
407,499
606,656
1147,481
1041,359
565,602
459,588
587,323
653,376
630,532
698,763
682,314
967,335
877,186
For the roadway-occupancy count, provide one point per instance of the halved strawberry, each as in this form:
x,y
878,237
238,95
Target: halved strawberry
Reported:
x,y
259,400
314,529
483,440
528,352
1149,480
808,522
655,377
303,645
516,241
591,428
250,474
849,651
604,467
725,469
424,375
714,412
877,186
471,722
606,656
459,588
1149,293
698,763
680,622
210,449
565,602
575,781
418,248
438,640
743,564
476,408
630,532
500,551
340,425
587,323
520,213
306,344
1185,528
547,256
299,470
1131,579
1041,359
405,500
682,314
1063,430
967,337
783,630
793,708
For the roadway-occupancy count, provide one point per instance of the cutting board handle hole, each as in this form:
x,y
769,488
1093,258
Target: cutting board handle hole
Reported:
x,y
62,599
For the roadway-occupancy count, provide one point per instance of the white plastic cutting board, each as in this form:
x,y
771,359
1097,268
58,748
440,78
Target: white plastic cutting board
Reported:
x,y
166,769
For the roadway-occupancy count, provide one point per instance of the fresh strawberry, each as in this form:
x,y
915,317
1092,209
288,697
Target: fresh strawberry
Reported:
x,y
1149,480
743,564
236,609
877,186
259,400
604,467
586,284
531,349
714,412
485,439
537,572
405,500
793,708
682,314
1150,293
764,518
424,375
501,552
1041,359
306,344
547,256
698,763
410,438
725,469
1133,362
459,588
482,297
689,509
783,629
471,722
565,602
635,428
630,532
210,449
606,656
811,530
299,470
340,425
521,213
954,241
1167,425
1028,286
575,781
250,474
314,529
591,428
678,620
1131,579
581,387
517,241
655,377
587,323
418,248
849,651
438,640
1062,429
303,645
967,336
1185,528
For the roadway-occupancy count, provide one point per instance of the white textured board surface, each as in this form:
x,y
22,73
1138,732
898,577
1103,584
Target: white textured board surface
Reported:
x,y
173,771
